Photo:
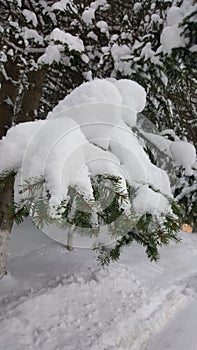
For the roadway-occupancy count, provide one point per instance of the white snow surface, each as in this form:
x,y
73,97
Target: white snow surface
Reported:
x,y
147,51
62,5
52,54
88,15
57,40
173,15
133,94
95,106
30,17
31,34
149,201
135,161
103,26
97,3
113,99
53,299
180,332
119,51
73,42
171,36
184,154
87,133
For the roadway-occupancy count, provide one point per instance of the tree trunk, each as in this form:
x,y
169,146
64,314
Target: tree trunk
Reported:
x,y
28,112
6,198
31,97
8,95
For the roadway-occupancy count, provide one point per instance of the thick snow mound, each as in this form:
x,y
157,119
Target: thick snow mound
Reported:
x,y
73,42
95,106
135,161
184,154
133,94
173,15
149,201
89,133
172,34
126,93
171,38
98,90
13,146
88,15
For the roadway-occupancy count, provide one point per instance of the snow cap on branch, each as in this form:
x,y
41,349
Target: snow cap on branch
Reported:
x,y
87,134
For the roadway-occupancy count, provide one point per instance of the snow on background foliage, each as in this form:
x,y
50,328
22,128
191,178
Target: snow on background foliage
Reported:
x,y
54,42
171,36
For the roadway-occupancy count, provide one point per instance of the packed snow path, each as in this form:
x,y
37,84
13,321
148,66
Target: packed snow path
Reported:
x,y
180,333
55,300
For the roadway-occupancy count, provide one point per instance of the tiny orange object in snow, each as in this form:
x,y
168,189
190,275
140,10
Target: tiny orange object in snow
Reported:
x,y
187,228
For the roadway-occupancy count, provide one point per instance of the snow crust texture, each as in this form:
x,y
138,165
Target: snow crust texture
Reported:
x,y
55,300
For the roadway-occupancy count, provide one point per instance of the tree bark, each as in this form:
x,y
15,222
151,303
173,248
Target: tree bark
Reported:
x,y
8,94
31,97
6,198
28,112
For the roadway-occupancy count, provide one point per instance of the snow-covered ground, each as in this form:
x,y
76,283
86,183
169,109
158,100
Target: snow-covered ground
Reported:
x,y
180,333
59,300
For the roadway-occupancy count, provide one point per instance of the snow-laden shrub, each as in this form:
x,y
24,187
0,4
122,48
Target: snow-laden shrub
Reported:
x,y
86,170
61,44
178,158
